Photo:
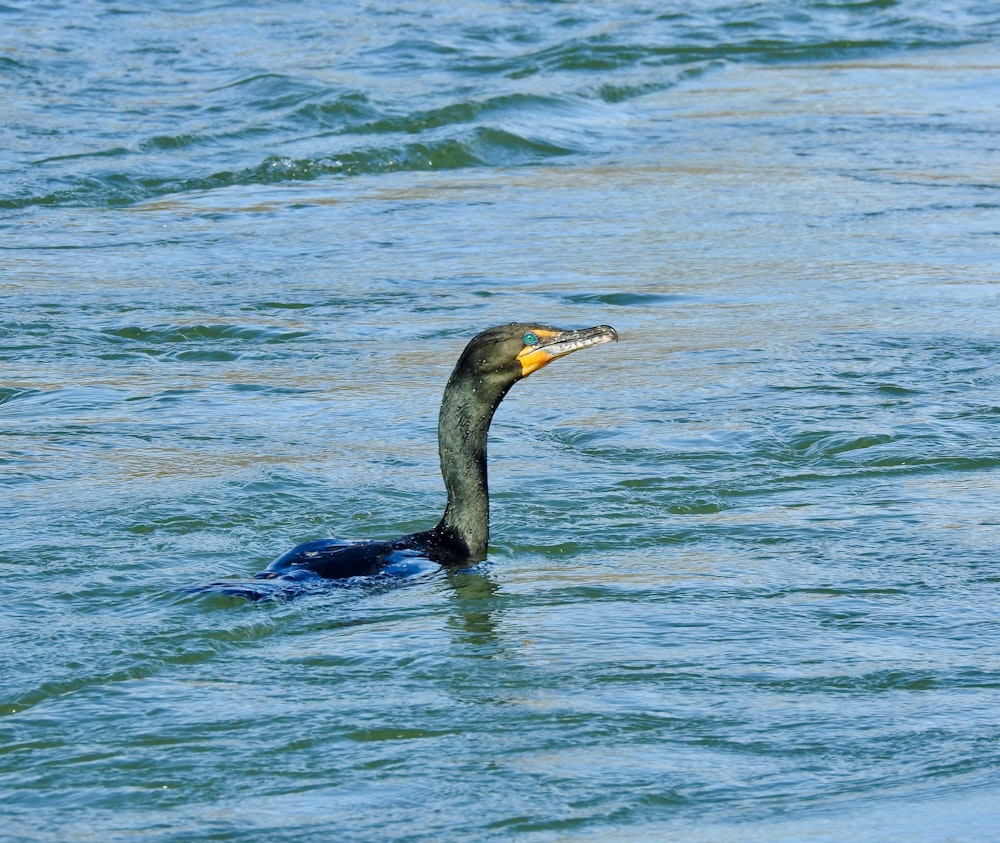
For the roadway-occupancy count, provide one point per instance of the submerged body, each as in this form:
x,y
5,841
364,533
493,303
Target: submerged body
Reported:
x,y
491,363
336,559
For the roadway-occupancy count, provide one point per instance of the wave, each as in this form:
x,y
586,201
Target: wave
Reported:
x,y
501,91
481,147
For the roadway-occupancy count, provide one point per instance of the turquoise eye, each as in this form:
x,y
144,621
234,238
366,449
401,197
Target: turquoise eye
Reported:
x,y
529,339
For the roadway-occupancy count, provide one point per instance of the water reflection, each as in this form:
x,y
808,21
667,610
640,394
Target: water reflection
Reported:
x,y
474,612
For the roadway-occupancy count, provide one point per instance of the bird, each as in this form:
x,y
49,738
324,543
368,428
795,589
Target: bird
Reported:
x,y
492,362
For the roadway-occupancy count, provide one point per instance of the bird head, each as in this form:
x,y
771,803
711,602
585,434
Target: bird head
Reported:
x,y
515,350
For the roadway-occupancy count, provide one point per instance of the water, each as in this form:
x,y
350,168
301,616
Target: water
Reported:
x,y
743,581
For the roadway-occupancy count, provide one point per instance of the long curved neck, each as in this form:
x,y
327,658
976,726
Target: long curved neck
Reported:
x,y
466,412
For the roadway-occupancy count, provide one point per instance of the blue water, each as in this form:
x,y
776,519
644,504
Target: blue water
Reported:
x,y
743,578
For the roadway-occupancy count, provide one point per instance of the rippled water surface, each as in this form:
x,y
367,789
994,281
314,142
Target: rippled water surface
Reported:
x,y
743,581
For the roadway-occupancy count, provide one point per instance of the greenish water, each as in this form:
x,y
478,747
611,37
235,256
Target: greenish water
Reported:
x,y
743,582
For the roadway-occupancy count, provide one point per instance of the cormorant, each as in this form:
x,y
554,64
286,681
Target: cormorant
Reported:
x,y
490,365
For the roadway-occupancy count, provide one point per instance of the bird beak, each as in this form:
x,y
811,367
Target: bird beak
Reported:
x,y
553,344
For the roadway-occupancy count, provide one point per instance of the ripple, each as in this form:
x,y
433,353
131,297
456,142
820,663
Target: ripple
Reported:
x,y
203,333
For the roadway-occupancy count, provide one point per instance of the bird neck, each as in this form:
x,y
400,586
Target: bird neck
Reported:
x,y
466,412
